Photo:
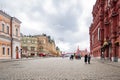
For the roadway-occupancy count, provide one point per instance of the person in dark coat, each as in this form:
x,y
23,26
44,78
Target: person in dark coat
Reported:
x,y
89,58
85,58
71,57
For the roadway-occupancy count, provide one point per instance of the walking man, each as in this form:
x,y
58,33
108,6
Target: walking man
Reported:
x,y
85,58
89,58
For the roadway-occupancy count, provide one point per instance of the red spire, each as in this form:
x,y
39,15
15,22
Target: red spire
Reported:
x,y
78,50
86,50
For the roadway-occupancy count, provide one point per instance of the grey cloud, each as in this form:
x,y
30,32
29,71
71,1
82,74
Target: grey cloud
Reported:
x,y
88,21
67,22
63,24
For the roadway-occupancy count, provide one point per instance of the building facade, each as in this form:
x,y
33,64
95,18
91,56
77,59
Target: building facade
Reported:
x,y
9,36
39,45
29,45
105,30
82,53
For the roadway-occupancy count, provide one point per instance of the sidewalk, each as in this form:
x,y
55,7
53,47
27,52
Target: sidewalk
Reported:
x,y
22,59
115,64
10,60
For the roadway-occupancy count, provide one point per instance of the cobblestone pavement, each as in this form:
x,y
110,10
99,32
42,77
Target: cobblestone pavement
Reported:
x,y
57,69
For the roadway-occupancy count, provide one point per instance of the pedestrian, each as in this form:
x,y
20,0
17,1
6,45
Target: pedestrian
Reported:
x,y
85,58
62,55
89,58
71,57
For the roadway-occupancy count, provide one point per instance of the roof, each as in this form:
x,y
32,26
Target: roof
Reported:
x,y
8,16
5,14
16,20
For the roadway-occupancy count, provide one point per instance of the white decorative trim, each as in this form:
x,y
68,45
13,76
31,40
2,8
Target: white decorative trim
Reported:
x,y
3,39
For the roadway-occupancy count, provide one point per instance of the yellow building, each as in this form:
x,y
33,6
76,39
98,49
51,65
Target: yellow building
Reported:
x,y
43,46
29,45
9,36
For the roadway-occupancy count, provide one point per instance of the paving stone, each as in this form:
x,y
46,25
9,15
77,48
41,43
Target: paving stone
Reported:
x,y
58,69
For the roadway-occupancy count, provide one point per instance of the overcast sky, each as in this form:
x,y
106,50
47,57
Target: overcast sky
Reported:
x,y
66,21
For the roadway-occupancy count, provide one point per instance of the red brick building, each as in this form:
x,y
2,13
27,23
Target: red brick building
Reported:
x,y
105,30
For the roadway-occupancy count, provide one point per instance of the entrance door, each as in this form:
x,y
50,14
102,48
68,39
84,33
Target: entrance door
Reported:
x,y
17,55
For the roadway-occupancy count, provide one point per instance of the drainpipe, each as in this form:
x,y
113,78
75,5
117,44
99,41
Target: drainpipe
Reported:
x,y
11,37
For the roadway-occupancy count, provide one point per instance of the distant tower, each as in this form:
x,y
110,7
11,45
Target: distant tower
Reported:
x,y
78,51
86,50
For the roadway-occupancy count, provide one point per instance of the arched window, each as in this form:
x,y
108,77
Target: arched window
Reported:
x,y
17,48
3,27
7,29
98,33
3,50
16,32
8,50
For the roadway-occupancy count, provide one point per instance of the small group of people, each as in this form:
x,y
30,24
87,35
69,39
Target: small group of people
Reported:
x,y
71,57
75,56
87,58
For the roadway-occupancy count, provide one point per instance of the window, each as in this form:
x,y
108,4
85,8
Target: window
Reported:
x,y
108,3
3,26
42,42
41,48
3,50
32,48
24,41
33,41
16,32
92,39
98,33
8,51
7,29
25,48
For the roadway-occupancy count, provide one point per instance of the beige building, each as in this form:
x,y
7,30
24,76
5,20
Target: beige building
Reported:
x,y
9,36
29,45
39,45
